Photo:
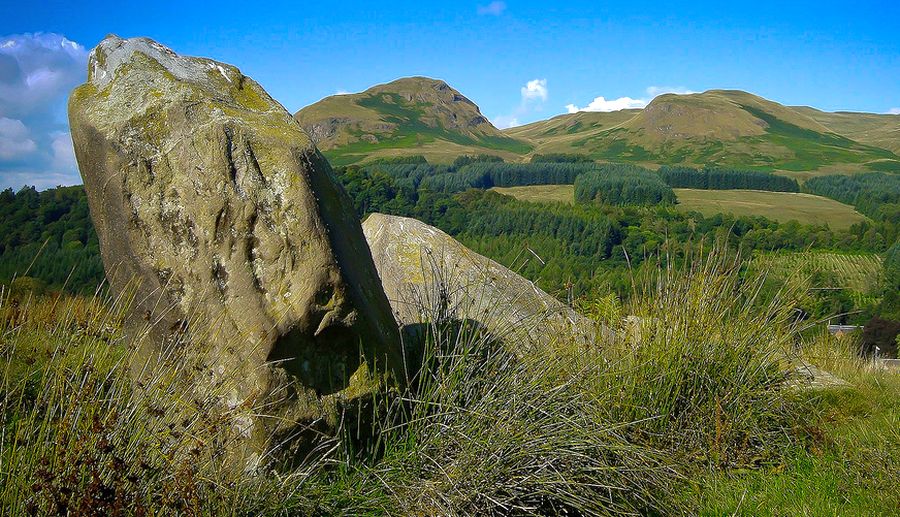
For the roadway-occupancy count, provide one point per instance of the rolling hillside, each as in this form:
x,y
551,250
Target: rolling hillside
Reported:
x,y
414,115
720,127
732,128
869,128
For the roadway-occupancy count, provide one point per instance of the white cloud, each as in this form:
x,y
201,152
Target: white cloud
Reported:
x,y
601,104
535,89
894,111
533,96
493,8
505,121
621,103
37,72
14,139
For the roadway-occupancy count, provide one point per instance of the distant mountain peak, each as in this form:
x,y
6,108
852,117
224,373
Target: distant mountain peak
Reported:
x,y
410,115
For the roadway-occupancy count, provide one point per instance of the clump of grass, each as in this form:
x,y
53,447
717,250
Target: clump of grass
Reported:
x,y
702,364
79,437
484,430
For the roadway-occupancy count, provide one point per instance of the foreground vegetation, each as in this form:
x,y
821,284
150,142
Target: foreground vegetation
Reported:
x,y
693,409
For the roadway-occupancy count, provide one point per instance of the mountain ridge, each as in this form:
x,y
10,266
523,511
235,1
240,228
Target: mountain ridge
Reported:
x,y
726,127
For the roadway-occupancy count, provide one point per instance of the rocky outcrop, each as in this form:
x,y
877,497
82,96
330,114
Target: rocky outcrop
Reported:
x,y
245,253
429,275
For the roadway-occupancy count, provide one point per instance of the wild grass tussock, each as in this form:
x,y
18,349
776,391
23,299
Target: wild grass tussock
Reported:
x,y
695,382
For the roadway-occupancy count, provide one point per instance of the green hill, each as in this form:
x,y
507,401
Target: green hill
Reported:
x,y
730,128
880,130
414,115
718,127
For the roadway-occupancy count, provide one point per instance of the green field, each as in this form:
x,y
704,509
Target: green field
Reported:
x,y
779,206
540,193
858,274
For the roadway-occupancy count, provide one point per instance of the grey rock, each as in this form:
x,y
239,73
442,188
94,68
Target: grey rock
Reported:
x,y
243,250
429,275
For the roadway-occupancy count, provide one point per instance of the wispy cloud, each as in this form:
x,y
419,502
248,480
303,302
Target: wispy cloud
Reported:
x,y
505,121
37,72
493,8
15,141
532,98
894,111
621,103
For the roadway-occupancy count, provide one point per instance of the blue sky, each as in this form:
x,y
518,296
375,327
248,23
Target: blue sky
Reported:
x,y
519,61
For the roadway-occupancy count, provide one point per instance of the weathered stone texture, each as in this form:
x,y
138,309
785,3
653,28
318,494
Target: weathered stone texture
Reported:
x,y
210,198
424,270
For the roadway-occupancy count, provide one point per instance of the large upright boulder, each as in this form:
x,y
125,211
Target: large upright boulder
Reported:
x,y
427,275
210,200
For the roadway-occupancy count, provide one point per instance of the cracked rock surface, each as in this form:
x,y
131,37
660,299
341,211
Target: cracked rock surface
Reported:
x,y
245,253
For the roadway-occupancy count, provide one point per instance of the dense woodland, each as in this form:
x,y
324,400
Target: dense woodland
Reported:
x,y
616,184
570,250
875,194
47,240
718,178
486,175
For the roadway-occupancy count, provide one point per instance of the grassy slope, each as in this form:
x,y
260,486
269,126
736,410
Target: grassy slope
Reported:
x,y
413,115
721,127
868,128
860,274
779,206
541,193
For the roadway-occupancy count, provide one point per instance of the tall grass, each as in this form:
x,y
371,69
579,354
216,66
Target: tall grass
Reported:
x,y
695,382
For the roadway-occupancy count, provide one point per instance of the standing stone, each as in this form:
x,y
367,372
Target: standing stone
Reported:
x,y
244,251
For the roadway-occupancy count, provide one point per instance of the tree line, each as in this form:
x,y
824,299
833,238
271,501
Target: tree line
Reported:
x,y
875,194
619,184
718,178
487,175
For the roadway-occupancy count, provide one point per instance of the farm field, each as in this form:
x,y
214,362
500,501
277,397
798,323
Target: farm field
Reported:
x,y
779,206
540,193
860,274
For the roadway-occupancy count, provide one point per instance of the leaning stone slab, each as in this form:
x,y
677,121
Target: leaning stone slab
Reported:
x,y
429,275
246,254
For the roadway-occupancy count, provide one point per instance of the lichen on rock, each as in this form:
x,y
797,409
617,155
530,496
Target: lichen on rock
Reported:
x,y
245,252
429,275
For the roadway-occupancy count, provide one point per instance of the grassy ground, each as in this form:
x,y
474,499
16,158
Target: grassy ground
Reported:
x,y
851,467
780,206
688,409
541,193
859,273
